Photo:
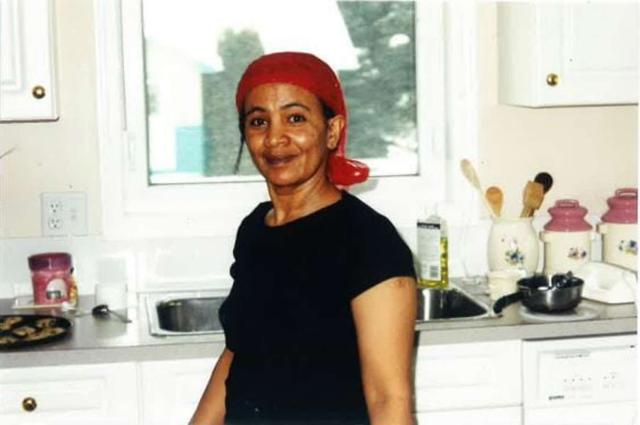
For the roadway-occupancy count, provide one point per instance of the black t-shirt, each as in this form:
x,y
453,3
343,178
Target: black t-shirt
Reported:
x,y
288,317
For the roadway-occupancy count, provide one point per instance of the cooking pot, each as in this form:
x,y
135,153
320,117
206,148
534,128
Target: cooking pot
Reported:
x,y
564,292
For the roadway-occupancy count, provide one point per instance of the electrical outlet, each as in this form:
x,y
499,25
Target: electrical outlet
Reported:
x,y
64,213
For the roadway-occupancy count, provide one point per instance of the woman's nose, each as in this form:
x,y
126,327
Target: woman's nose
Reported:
x,y
276,135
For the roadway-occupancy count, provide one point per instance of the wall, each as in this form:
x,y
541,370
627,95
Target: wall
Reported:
x,y
590,151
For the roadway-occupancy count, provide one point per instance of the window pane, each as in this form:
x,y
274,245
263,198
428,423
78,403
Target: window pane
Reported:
x,y
193,65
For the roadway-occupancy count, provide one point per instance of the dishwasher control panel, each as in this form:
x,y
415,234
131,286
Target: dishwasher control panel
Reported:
x,y
579,370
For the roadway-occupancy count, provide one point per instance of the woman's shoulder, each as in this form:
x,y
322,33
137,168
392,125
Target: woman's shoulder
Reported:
x,y
256,217
358,209
361,215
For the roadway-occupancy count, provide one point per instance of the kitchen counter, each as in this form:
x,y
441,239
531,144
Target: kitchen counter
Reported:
x,y
96,340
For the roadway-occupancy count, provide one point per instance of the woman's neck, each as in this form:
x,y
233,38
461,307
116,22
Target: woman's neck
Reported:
x,y
292,204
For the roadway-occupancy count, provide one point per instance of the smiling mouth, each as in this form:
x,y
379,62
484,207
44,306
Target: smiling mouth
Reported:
x,y
279,161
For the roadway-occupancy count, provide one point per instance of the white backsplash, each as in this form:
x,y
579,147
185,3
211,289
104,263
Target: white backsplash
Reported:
x,y
198,263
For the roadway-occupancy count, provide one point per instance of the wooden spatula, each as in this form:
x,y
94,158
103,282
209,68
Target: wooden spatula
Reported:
x,y
495,198
469,172
532,197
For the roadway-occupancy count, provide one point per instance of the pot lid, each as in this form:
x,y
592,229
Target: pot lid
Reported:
x,y
623,206
567,215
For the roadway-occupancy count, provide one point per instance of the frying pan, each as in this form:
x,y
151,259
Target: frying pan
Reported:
x,y
563,293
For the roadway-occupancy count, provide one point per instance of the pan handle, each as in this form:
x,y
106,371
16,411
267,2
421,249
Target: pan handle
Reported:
x,y
502,302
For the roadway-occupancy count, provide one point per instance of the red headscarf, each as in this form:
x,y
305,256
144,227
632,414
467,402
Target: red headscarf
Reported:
x,y
312,74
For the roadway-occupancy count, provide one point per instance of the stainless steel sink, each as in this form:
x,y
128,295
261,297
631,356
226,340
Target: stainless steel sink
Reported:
x,y
449,304
194,313
184,313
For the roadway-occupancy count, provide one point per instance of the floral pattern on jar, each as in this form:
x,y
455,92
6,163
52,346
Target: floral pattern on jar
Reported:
x,y
513,256
628,247
577,253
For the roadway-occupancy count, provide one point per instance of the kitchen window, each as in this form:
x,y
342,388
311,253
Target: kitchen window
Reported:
x,y
192,67
168,128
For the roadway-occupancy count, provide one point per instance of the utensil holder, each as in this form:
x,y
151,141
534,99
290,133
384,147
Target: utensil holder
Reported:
x,y
513,245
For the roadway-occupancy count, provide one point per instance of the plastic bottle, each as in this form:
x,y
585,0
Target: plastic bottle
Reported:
x,y
433,252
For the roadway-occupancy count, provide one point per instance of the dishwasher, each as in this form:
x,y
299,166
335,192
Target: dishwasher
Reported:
x,y
580,381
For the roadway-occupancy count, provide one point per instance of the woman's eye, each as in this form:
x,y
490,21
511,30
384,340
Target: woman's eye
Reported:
x,y
257,122
296,118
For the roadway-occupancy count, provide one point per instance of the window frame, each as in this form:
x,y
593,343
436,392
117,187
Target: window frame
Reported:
x,y
132,209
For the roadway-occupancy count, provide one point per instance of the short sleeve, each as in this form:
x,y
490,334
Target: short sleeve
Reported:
x,y
228,312
380,253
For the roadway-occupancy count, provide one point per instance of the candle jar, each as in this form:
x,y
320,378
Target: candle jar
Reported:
x,y
513,245
52,279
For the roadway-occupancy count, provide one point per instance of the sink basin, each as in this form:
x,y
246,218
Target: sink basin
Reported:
x,y
193,313
448,304
184,314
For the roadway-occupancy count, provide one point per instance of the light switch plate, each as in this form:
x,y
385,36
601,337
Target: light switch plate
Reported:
x,y
64,213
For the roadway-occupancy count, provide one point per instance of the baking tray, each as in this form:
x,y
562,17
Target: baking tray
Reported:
x,y
27,330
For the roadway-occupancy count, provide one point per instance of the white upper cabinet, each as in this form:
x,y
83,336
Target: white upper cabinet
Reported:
x,y
568,53
27,65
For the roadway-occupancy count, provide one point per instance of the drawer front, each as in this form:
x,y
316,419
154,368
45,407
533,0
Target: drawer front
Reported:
x,y
468,375
172,388
69,394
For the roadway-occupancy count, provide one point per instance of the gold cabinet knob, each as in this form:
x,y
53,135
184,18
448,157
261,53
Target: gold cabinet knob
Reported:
x,y
38,92
553,79
29,404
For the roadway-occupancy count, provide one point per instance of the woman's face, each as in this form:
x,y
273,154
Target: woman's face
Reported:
x,y
287,134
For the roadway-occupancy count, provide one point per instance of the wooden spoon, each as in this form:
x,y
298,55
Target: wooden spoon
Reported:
x,y
545,180
532,197
470,174
495,198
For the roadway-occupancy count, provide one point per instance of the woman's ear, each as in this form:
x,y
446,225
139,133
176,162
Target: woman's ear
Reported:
x,y
334,129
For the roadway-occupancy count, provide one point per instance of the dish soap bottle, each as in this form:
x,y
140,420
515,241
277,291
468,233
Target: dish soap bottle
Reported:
x,y
433,252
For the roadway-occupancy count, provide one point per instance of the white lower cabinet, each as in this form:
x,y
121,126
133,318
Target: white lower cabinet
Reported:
x,y
495,416
476,383
79,394
171,389
468,376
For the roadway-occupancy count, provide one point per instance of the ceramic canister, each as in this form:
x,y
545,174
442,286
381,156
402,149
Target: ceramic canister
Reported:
x,y
567,237
513,245
619,228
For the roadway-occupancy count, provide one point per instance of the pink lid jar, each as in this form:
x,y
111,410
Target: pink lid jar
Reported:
x,y
52,278
567,237
623,206
567,216
619,229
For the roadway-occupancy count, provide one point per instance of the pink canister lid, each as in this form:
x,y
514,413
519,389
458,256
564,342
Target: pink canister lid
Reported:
x,y
50,261
567,216
623,206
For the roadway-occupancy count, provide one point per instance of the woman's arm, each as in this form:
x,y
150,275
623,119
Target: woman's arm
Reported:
x,y
211,410
385,320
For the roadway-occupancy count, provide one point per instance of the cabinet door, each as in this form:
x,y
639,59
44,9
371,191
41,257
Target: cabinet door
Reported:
x,y
27,81
81,394
171,389
587,414
495,416
468,375
568,53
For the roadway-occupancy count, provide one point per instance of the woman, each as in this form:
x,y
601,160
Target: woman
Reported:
x,y
319,321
